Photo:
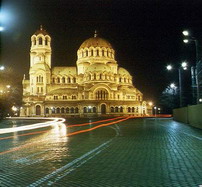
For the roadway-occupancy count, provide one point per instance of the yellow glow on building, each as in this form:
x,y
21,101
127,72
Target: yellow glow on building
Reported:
x,y
95,86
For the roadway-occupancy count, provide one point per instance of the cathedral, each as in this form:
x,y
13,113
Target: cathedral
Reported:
x,y
96,86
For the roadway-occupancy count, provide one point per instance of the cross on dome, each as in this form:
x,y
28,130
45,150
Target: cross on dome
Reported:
x,y
95,34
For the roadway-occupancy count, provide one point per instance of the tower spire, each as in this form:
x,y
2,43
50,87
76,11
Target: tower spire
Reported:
x,y
95,34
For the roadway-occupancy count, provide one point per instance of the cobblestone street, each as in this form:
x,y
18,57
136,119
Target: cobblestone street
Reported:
x,y
115,152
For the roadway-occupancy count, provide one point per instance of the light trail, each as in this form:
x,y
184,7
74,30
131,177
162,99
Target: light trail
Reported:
x,y
89,123
39,132
96,127
70,134
33,126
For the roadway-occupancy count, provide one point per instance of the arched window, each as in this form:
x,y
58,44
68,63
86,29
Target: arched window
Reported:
x,y
129,109
68,80
38,110
103,53
53,80
63,79
120,79
55,97
101,94
40,41
121,109
72,110
47,110
94,76
76,110
53,110
116,109
46,41
89,109
86,53
97,52
137,110
84,110
91,52
100,76
67,110
34,41
94,109
112,109
62,110
133,109
58,110
58,80
74,80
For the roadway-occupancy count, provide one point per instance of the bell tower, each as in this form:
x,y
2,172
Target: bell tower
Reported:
x,y
40,48
40,62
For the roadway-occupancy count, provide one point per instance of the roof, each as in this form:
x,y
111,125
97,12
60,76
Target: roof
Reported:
x,y
98,67
64,70
64,91
95,42
41,31
123,71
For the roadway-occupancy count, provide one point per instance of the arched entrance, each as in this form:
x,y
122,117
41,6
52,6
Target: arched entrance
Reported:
x,y
38,110
103,109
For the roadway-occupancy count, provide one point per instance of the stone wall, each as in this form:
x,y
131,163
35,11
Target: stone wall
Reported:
x,y
191,115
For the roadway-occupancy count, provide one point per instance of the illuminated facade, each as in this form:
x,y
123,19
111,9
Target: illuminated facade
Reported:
x,y
95,86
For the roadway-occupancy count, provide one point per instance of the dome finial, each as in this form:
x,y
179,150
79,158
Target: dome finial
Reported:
x,y
41,27
95,34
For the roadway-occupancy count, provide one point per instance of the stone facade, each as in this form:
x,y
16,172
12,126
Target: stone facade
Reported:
x,y
95,86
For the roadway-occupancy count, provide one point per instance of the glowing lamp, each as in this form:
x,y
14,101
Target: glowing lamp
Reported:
x,y
185,33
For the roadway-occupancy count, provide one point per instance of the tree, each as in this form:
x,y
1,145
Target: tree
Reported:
x,y
10,92
169,99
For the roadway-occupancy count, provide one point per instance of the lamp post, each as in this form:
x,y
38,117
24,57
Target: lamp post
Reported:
x,y
194,70
155,108
184,67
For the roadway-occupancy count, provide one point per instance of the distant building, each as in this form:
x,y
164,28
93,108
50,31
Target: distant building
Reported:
x,y
95,86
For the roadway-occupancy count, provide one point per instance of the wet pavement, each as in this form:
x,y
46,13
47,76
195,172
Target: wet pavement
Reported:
x,y
115,152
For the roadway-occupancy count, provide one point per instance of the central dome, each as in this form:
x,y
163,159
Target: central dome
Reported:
x,y
95,42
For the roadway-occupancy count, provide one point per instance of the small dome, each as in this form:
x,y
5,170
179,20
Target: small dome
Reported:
x,y
41,31
123,71
95,42
98,67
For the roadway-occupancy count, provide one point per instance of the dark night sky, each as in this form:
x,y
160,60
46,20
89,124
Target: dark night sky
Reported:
x,y
145,34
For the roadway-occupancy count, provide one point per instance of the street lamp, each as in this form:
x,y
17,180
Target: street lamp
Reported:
x,y
150,103
159,110
185,33
194,71
172,85
2,68
184,67
155,108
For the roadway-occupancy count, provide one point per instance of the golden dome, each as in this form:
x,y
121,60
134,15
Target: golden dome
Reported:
x,y
99,67
122,71
95,42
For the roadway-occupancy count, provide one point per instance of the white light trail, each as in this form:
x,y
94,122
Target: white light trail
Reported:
x,y
33,126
